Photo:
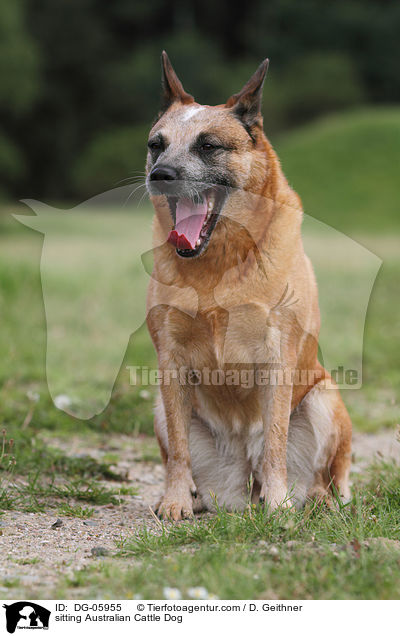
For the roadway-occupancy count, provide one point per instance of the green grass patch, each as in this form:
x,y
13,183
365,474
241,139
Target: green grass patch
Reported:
x,y
37,494
343,552
29,561
243,572
68,510
374,512
345,168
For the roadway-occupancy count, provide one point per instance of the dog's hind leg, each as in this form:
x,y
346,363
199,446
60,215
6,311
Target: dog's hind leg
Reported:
x,y
319,445
340,467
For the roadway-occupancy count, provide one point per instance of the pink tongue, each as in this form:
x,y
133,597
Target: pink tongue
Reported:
x,y
189,221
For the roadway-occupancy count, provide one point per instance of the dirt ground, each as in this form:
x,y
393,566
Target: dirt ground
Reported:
x,y
75,543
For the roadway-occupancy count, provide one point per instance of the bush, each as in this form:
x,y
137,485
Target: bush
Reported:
x,y
19,60
110,158
11,165
313,85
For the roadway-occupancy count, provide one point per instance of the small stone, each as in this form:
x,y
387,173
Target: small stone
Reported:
x,y
57,524
88,522
99,551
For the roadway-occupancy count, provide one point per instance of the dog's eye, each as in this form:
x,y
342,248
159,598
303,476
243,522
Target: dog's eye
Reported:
x,y
208,147
155,145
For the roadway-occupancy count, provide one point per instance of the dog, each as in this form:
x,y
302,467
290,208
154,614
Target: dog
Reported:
x,y
228,225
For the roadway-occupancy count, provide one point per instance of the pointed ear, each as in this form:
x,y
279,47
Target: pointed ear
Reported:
x,y
246,104
173,90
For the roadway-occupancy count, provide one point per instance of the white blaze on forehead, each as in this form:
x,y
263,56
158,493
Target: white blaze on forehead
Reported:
x,y
190,111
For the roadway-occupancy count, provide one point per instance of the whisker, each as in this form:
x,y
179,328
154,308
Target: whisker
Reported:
x,y
140,172
131,180
142,197
142,185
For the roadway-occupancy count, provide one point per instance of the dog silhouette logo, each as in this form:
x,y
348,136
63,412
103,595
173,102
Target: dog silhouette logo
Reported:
x,y
96,270
26,615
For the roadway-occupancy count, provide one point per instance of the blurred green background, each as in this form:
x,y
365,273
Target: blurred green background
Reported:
x,y
79,79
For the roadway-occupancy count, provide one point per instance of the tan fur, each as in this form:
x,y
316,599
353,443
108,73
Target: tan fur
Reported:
x,y
212,438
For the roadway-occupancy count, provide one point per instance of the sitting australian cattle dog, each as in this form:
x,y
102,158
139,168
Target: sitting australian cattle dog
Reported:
x,y
228,225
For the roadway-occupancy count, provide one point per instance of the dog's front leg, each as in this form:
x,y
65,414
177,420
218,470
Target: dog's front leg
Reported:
x,y
177,501
276,415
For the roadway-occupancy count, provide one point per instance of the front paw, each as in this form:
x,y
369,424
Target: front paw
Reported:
x,y
275,496
175,506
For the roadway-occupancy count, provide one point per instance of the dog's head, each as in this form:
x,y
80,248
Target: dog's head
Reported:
x,y
200,158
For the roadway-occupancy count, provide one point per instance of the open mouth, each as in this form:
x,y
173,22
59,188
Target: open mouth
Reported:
x,y
194,221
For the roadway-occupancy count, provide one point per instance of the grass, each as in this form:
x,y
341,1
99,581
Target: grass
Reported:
x,y
374,512
39,496
250,572
68,510
350,551
31,561
345,168
47,476
243,572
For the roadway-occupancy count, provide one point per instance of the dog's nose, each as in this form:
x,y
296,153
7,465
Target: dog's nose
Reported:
x,y
163,173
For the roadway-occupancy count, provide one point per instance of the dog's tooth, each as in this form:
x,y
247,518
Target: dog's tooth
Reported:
x,y
198,242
